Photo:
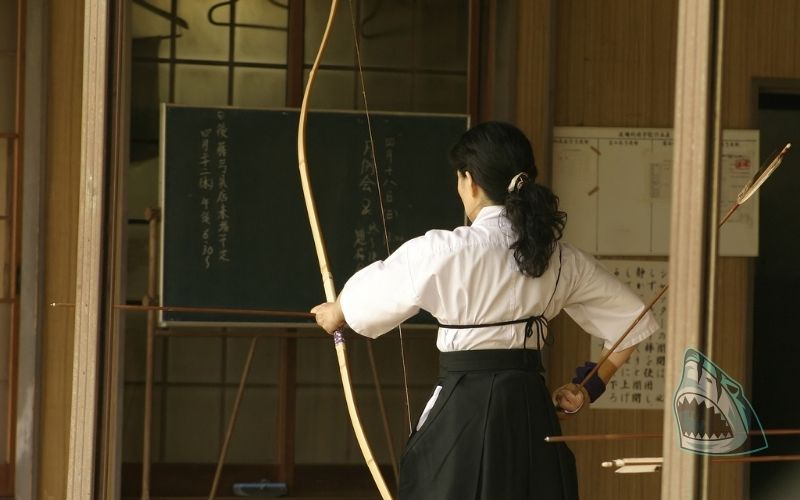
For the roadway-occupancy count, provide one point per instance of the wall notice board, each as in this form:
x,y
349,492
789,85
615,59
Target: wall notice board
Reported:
x,y
235,231
615,185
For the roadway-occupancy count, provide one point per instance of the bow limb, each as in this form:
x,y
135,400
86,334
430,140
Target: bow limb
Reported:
x,y
324,267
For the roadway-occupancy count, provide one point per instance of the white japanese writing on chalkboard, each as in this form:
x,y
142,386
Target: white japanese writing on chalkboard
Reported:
x,y
389,184
205,184
224,242
223,217
640,382
214,197
367,235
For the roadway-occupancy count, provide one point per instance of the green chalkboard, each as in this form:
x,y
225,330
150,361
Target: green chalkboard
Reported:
x,y
235,232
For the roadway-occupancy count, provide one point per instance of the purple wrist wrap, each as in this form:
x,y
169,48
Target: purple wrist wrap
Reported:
x,y
595,386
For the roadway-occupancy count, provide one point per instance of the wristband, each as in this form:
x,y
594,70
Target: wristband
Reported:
x,y
595,386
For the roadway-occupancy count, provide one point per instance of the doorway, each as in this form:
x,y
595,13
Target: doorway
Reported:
x,y
776,338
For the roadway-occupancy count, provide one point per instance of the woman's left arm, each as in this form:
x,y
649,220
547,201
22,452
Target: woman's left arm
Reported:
x,y
613,363
380,296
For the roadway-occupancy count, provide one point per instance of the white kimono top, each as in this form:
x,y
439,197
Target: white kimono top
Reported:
x,y
468,276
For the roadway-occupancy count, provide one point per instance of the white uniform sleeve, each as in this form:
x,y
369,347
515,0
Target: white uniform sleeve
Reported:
x,y
602,305
380,296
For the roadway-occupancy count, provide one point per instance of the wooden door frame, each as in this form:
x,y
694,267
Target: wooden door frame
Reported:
x,y
770,86
31,300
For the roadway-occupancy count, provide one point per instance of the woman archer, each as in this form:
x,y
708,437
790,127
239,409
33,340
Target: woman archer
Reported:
x,y
492,286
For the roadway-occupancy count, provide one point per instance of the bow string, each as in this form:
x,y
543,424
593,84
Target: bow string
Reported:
x,y
379,190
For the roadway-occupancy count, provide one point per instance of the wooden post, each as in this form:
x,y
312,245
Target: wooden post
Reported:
x,y
113,376
694,215
535,67
287,387
534,100
287,374
232,420
147,425
474,62
83,413
153,217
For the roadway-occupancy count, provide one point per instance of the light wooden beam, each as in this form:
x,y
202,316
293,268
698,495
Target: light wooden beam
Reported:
x,y
693,230
83,413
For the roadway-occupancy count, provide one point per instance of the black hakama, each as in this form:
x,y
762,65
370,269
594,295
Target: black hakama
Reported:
x,y
484,437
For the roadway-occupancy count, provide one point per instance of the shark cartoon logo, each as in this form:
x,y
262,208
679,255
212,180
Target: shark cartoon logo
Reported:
x,y
713,416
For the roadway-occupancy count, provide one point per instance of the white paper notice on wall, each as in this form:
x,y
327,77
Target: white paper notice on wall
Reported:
x,y
639,383
615,185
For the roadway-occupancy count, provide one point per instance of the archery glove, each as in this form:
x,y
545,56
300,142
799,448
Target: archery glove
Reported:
x,y
595,386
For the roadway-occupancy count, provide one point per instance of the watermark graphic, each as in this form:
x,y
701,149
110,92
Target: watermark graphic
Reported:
x,y
712,413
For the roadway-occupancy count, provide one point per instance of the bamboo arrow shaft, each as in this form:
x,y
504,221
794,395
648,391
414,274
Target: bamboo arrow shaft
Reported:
x,y
658,461
613,348
649,435
762,458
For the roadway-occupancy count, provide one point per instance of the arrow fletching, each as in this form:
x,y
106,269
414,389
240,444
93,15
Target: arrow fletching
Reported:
x,y
763,173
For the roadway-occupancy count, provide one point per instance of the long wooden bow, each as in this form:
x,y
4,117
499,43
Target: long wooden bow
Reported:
x,y
327,277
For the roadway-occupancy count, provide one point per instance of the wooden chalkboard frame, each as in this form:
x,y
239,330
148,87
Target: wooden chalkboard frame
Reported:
x,y
438,184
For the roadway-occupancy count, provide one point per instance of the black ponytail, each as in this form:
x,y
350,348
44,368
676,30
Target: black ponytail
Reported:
x,y
536,219
494,153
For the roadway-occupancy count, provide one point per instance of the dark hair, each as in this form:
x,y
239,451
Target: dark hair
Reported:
x,y
493,153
